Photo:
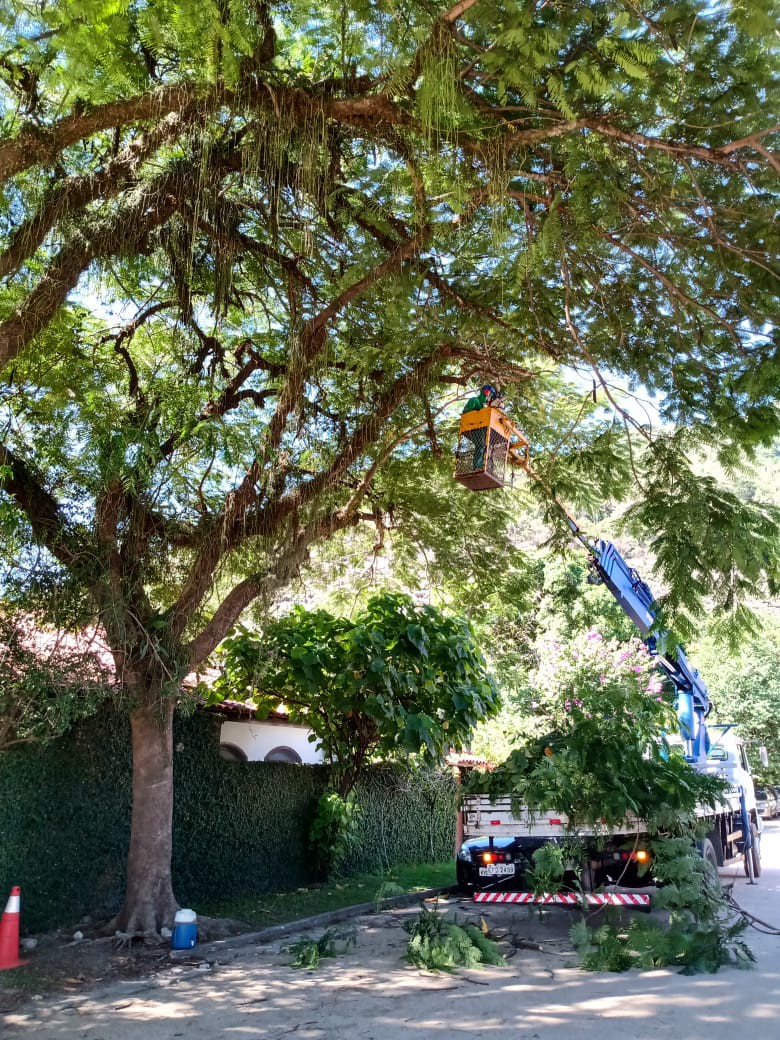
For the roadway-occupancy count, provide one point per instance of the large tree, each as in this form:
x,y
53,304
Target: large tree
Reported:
x,y
250,249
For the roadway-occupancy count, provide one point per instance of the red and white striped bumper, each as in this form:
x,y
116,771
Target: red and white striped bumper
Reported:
x,y
567,898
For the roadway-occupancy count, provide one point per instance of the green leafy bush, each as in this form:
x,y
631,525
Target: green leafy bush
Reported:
x,y
333,831
397,679
701,934
438,943
597,749
307,953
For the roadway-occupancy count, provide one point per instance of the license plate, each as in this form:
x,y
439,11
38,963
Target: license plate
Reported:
x,y
497,870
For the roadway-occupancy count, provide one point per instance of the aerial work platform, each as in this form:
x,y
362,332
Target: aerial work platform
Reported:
x,y
489,441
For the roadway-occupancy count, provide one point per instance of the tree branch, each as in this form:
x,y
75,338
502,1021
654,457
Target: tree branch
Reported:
x,y
223,619
313,337
672,287
247,591
126,229
72,195
721,156
46,516
42,145
411,382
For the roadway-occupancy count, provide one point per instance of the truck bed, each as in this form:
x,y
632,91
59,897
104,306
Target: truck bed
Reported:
x,y
483,818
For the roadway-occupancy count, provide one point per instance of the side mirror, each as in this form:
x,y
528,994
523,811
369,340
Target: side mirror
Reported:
x,y
763,756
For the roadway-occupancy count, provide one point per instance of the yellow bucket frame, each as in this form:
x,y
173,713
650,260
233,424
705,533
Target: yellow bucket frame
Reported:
x,y
500,433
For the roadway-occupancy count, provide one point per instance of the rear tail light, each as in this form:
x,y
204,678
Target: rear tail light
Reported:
x,y
496,857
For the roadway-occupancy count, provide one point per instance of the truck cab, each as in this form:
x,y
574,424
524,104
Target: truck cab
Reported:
x,y
727,758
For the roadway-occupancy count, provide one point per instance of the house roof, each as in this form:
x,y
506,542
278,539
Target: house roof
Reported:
x,y
245,709
465,760
87,649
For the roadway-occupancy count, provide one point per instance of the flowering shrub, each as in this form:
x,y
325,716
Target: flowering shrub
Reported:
x,y
592,683
596,748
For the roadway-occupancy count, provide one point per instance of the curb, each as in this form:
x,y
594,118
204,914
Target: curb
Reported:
x,y
279,931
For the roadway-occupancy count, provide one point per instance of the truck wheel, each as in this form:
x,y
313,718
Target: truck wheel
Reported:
x,y
714,839
755,853
708,853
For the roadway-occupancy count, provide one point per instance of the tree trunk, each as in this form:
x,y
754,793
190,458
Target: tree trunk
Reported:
x,y
149,899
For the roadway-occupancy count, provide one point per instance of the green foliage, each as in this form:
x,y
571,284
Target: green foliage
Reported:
x,y
640,223
333,831
438,943
745,690
396,679
550,864
701,935
709,545
307,953
386,890
254,249
46,683
596,749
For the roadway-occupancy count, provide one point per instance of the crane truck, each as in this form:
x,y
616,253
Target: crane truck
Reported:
x,y
498,843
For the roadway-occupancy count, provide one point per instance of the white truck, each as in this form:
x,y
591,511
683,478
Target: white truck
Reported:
x,y
498,844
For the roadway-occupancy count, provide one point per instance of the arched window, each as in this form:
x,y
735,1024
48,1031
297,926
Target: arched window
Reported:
x,y
231,753
283,754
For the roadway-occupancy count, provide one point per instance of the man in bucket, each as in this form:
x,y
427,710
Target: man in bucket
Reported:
x,y
487,397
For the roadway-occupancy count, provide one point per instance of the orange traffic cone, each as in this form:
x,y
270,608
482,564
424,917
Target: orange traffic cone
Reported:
x,y
9,932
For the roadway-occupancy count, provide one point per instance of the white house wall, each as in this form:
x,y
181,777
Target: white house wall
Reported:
x,y
256,739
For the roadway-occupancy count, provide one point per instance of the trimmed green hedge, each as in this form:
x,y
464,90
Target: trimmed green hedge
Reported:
x,y
64,823
238,826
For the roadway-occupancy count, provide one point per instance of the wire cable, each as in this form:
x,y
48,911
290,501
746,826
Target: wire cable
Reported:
x,y
753,921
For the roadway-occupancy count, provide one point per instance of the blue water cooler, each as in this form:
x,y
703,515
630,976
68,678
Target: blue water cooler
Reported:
x,y
185,930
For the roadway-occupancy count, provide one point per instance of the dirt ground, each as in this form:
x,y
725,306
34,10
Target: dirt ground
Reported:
x,y
62,964
246,989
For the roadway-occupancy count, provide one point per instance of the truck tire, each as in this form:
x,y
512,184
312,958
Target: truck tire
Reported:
x,y
714,838
755,853
708,852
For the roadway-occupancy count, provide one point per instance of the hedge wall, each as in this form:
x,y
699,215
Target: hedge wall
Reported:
x,y
238,826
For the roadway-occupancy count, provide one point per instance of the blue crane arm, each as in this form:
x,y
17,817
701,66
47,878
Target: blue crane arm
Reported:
x,y
633,595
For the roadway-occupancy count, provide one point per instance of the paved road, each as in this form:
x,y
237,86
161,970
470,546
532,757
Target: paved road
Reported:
x,y
369,994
